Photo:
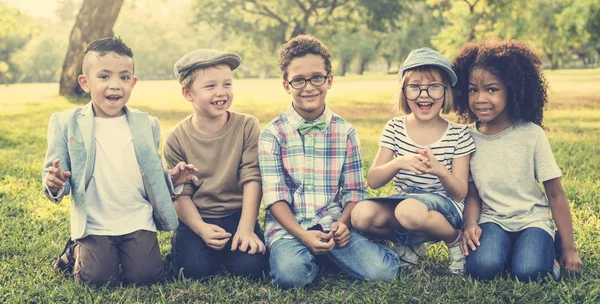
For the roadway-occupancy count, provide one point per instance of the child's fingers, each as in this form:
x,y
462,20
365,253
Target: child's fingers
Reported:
x,y
463,247
253,247
56,163
234,243
66,174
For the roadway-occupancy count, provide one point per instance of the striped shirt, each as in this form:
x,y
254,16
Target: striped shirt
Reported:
x,y
316,174
456,142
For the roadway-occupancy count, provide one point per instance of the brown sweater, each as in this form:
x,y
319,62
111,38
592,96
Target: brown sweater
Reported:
x,y
226,161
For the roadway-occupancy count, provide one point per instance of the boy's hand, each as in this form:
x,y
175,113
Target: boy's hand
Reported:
x,y
340,233
416,163
56,177
183,173
317,242
570,260
435,167
214,236
470,238
247,240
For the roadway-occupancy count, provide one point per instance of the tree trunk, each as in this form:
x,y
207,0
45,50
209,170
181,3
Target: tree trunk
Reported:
x,y
363,66
95,20
344,67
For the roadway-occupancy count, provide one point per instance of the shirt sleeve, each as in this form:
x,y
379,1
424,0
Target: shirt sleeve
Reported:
x,y
352,182
464,143
545,164
272,170
249,169
387,136
57,149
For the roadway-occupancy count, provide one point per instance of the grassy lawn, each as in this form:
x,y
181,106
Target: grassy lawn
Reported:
x,y
33,230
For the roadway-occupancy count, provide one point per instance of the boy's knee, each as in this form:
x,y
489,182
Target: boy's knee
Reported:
x,y
199,270
293,274
253,266
143,276
296,276
95,279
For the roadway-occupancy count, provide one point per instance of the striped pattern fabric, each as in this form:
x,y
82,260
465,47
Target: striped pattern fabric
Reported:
x,y
316,173
456,142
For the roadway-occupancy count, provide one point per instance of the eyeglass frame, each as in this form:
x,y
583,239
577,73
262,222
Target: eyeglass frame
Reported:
x,y
425,89
307,80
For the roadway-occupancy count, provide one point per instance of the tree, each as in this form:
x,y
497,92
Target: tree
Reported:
x,y
95,20
273,22
16,30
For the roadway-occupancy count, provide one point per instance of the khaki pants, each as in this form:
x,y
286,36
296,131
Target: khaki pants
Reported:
x,y
97,259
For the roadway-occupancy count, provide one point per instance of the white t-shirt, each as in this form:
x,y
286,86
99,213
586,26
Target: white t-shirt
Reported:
x,y
455,142
115,197
507,169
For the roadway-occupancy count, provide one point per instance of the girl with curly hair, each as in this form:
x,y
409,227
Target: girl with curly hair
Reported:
x,y
507,222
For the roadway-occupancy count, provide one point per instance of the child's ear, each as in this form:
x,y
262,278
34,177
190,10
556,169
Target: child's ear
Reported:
x,y
83,83
133,81
286,86
186,94
329,81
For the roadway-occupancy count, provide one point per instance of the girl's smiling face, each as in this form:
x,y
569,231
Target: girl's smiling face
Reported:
x,y
487,97
423,106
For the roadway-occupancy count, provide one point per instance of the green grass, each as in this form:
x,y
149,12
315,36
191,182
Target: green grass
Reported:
x,y
33,230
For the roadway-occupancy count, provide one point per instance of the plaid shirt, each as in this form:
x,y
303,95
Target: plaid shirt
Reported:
x,y
316,174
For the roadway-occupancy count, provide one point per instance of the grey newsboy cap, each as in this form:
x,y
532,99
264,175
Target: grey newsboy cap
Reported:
x,y
202,58
427,56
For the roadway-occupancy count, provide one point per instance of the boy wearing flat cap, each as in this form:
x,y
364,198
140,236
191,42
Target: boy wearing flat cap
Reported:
x,y
218,226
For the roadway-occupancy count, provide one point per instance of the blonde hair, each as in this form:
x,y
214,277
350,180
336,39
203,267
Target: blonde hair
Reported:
x,y
428,69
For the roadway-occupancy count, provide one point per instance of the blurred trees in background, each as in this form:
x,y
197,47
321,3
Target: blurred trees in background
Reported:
x,y
364,36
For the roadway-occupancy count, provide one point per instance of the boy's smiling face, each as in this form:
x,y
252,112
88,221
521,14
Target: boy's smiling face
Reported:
x,y
109,80
211,93
309,101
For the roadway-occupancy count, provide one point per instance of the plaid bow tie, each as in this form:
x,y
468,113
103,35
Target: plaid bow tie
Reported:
x,y
306,126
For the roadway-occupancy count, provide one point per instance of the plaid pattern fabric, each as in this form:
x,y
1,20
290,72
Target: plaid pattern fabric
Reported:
x,y
316,174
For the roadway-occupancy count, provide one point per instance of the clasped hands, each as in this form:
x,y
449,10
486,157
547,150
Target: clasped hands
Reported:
x,y
423,162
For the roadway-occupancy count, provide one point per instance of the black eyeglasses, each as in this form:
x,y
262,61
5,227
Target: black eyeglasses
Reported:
x,y
300,83
435,91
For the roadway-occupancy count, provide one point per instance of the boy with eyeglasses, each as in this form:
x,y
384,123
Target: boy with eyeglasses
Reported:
x,y
312,177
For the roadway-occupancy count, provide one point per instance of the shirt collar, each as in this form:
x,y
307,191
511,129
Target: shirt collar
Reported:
x,y
295,119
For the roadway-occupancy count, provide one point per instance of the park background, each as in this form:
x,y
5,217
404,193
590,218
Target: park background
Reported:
x,y
368,41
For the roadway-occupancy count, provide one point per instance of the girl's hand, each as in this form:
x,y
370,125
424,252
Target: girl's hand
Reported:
x,y
470,238
416,163
183,173
570,261
247,241
435,167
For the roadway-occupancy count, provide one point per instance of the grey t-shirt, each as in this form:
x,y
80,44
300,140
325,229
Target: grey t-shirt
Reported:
x,y
507,169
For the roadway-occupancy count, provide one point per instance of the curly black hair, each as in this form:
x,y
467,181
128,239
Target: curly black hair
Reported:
x,y
301,46
516,64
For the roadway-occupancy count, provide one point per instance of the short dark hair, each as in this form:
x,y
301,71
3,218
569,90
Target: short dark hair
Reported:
x,y
301,46
516,64
106,45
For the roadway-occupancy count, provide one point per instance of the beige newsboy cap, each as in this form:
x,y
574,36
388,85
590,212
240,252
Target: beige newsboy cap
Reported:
x,y
202,58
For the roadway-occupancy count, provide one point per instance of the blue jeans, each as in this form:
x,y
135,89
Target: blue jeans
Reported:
x,y
527,254
196,260
434,202
293,265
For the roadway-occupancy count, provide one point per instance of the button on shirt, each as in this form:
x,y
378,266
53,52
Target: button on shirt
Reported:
x,y
316,173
